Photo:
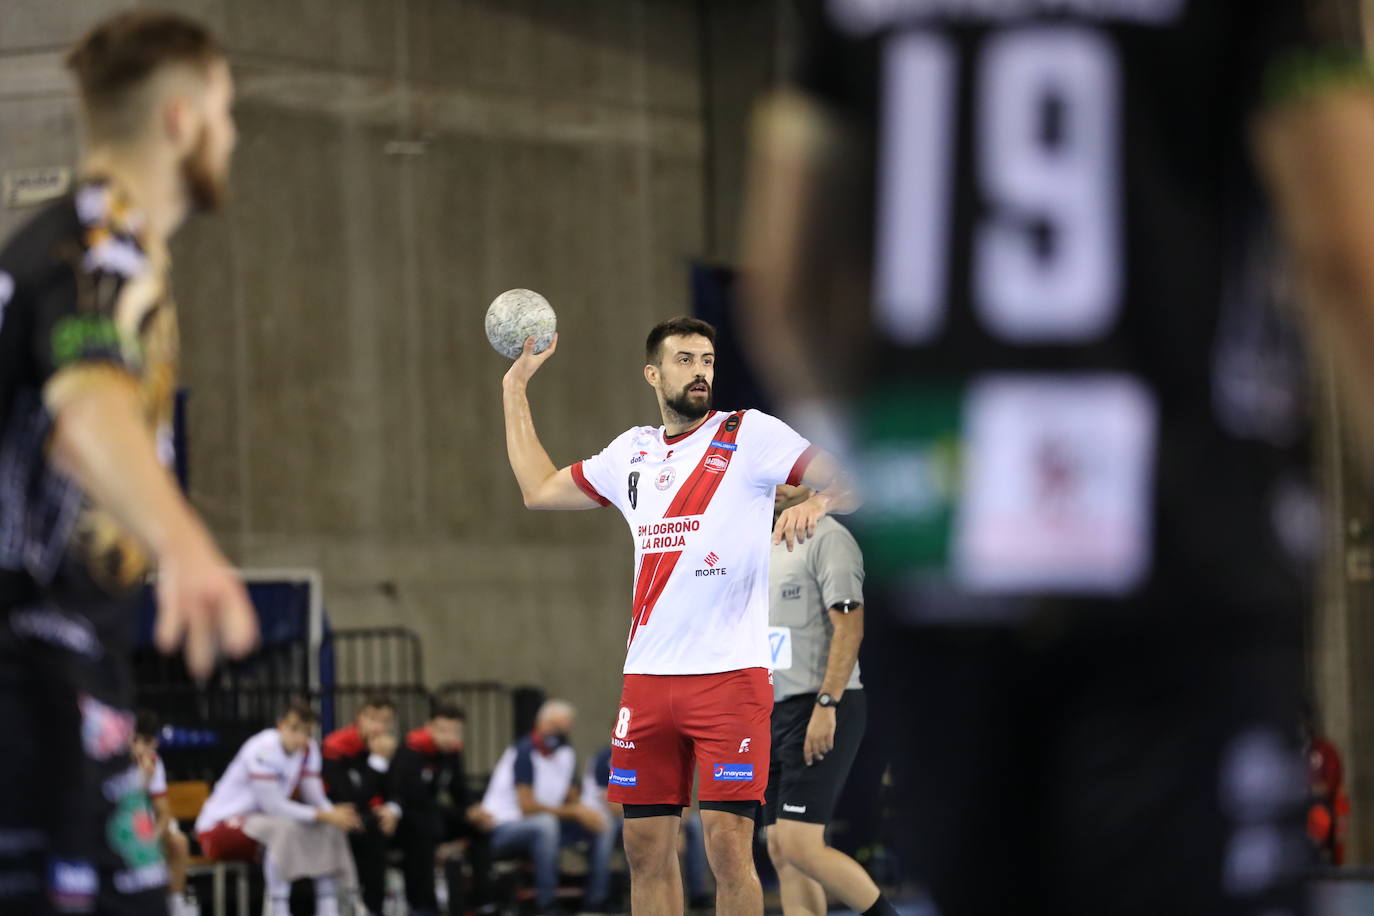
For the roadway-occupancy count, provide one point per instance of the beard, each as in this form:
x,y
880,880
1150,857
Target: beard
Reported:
x,y
206,189
682,404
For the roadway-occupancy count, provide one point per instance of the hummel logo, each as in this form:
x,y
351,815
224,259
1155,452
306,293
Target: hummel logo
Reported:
x,y
744,745
794,809
712,559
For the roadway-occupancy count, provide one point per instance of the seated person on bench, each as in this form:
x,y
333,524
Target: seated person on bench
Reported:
x,y
536,801
356,758
176,848
254,804
429,782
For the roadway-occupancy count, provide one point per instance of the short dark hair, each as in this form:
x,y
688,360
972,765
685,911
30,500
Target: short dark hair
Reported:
x,y
120,53
680,325
301,709
147,724
378,701
442,709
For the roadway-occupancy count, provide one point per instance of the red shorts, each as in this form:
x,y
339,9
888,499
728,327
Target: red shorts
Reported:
x,y
673,727
226,842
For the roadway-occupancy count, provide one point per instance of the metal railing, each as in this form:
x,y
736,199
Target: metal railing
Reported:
x,y
206,727
376,656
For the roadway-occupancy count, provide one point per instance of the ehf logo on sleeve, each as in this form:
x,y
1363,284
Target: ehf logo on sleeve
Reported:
x,y
733,772
626,778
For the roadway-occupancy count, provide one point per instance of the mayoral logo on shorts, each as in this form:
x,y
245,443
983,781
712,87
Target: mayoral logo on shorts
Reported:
x,y
733,772
626,778
665,478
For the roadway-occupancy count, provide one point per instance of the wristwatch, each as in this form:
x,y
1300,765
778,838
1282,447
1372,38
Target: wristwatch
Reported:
x,y
826,701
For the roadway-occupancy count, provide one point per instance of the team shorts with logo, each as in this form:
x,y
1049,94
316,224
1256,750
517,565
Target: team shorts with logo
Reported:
x,y
673,727
797,792
77,834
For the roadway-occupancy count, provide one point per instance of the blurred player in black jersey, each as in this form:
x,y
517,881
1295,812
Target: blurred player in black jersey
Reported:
x,y
1014,259
88,354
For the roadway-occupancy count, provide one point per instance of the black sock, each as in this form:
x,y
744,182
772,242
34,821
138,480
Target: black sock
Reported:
x,y
881,907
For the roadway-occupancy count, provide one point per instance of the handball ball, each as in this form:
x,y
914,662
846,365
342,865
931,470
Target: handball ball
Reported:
x,y
517,314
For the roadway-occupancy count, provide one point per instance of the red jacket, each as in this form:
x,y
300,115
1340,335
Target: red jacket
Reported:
x,y
346,742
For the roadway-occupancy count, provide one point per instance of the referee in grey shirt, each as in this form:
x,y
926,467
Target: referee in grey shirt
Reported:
x,y
816,622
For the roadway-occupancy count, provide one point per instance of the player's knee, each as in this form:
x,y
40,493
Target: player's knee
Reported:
x,y
648,851
646,861
732,859
802,856
798,846
732,868
775,847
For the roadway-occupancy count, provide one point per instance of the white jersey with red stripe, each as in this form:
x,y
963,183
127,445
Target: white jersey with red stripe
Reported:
x,y
700,510
263,760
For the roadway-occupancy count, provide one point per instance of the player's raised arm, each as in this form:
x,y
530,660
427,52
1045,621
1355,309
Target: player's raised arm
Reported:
x,y
832,493
542,485
1317,150
791,166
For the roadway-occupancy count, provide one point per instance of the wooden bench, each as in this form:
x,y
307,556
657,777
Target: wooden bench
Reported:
x,y
185,800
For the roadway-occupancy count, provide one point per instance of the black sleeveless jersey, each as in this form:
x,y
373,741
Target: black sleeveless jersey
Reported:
x,y
81,293
1083,377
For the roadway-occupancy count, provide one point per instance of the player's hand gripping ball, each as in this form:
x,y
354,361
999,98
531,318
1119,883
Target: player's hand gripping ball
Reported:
x,y
517,314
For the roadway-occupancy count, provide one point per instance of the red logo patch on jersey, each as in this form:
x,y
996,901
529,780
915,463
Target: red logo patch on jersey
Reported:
x,y
665,478
717,463
712,559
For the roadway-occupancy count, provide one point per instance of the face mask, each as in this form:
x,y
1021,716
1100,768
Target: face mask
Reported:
x,y
550,743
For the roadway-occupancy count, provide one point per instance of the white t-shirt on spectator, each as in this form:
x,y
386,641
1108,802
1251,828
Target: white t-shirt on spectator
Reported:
x,y
550,776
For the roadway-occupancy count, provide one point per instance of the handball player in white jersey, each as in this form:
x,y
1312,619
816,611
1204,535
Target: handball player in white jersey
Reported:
x,y
697,493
